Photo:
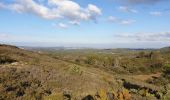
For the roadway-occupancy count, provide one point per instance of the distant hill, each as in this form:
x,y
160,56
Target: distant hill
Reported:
x,y
165,50
10,46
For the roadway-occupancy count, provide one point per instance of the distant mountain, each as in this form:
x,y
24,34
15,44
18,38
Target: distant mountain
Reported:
x,y
42,48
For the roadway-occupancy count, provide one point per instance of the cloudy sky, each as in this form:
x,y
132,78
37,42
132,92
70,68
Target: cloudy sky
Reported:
x,y
91,23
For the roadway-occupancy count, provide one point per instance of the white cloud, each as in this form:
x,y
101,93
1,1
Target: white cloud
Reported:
x,y
160,37
74,22
30,6
93,11
55,9
68,9
113,19
2,35
144,1
5,37
156,13
1,5
62,25
127,9
140,2
127,22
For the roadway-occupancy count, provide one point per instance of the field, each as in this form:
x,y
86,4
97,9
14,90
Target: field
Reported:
x,y
84,74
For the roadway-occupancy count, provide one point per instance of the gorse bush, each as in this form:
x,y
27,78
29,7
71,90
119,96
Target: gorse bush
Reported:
x,y
6,59
90,60
167,69
16,84
101,60
76,70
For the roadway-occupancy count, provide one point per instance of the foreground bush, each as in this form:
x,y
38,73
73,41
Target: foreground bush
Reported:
x,y
167,69
6,59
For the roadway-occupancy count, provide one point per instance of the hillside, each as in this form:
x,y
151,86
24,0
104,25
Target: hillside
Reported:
x,y
63,75
165,49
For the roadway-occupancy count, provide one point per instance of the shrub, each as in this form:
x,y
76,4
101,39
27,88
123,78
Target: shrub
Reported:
x,y
75,70
90,60
101,94
126,94
141,54
167,69
6,59
77,60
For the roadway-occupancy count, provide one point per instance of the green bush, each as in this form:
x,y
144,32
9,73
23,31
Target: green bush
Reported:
x,y
167,69
75,70
90,60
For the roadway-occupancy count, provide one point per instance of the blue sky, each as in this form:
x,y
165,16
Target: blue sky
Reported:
x,y
91,23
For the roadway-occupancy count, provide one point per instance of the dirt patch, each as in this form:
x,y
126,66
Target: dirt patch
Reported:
x,y
145,77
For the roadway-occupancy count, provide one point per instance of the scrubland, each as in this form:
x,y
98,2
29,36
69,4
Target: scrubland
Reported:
x,y
84,74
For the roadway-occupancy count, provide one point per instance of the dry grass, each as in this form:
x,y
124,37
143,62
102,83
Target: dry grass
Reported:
x,y
49,76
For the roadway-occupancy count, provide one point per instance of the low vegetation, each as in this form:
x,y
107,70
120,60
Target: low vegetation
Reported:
x,y
112,74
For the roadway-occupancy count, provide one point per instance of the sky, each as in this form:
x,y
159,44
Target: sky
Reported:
x,y
86,23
